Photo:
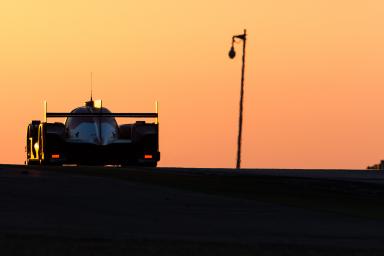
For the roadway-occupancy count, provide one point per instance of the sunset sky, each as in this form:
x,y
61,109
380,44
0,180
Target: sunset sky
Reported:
x,y
314,79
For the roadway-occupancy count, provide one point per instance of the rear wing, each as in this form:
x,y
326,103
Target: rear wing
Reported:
x,y
131,115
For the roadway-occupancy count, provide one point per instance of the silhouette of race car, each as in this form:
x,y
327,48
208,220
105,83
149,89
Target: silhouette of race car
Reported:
x,y
92,136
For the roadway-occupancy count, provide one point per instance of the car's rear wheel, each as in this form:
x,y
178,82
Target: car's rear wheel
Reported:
x,y
32,162
150,164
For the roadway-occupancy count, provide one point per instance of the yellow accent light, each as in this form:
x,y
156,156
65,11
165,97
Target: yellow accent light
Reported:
x,y
45,111
55,156
157,112
148,156
36,146
97,103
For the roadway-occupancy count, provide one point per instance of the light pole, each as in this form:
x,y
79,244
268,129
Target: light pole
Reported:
x,y
232,55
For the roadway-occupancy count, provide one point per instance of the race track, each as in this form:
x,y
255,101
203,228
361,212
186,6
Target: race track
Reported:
x,y
176,211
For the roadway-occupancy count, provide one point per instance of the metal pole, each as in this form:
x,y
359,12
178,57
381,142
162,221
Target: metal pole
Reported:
x,y
238,162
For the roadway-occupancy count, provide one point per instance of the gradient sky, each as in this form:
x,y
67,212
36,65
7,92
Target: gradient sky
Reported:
x,y
314,82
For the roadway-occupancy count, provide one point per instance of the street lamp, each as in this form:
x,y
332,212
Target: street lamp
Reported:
x,y
232,55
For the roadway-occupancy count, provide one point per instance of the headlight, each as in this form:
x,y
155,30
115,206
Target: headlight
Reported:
x,y
36,146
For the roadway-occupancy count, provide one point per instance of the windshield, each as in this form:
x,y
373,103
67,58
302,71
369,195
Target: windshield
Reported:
x,y
73,122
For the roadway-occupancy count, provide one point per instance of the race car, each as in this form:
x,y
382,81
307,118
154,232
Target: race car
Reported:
x,y
92,136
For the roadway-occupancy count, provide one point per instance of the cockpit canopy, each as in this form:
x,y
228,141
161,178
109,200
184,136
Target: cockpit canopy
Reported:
x,y
92,129
73,122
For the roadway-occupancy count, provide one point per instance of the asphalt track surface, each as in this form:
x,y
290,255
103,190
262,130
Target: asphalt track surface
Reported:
x,y
181,211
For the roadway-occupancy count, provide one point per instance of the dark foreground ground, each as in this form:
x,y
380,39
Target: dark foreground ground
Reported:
x,y
170,211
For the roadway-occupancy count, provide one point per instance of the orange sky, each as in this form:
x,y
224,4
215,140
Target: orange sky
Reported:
x,y
313,91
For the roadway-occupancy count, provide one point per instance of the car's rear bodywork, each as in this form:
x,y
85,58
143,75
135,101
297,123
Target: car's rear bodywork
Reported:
x,y
91,136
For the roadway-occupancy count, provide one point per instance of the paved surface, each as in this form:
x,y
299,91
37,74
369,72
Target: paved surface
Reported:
x,y
35,201
372,176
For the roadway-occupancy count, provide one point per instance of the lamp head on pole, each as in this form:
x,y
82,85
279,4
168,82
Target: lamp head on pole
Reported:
x,y
232,52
